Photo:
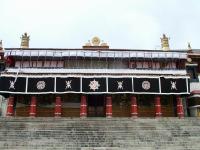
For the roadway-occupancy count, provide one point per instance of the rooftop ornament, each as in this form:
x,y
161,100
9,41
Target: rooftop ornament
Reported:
x,y
189,60
165,43
25,40
95,43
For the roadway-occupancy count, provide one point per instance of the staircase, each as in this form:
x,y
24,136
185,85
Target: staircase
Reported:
x,y
100,133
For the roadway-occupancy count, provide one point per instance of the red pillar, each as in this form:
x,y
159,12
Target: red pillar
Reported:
x,y
108,106
180,112
32,112
10,109
83,109
58,103
158,106
134,110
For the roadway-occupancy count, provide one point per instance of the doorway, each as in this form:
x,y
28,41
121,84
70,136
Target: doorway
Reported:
x,y
96,105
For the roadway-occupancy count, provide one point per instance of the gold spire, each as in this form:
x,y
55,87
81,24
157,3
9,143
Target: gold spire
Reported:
x,y
25,40
165,43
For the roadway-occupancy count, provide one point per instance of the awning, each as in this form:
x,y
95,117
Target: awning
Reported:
x,y
93,85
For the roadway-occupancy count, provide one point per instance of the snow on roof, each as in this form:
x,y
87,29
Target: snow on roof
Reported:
x,y
96,53
93,71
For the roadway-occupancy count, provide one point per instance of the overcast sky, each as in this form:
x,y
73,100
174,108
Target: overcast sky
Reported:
x,y
135,24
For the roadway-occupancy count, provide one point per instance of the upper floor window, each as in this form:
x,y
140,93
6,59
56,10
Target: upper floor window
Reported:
x,y
152,65
192,71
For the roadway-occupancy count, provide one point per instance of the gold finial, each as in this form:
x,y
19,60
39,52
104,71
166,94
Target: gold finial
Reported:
x,y
25,40
96,41
165,42
189,47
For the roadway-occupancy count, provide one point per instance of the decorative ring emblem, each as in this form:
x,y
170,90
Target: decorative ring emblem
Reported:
x,y
94,85
146,85
41,85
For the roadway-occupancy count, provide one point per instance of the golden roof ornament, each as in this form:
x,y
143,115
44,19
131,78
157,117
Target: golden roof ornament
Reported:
x,y
96,43
165,43
25,40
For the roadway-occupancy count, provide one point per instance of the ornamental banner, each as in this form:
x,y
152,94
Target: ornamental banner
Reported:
x,y
146,85
120,85
36,85
94,85
11,84
68,84
170,85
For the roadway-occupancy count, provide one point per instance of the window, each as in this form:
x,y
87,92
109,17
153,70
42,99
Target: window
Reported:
x,y
192,71
132,65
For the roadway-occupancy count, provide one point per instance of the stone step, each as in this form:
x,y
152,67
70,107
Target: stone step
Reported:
x,y
99,133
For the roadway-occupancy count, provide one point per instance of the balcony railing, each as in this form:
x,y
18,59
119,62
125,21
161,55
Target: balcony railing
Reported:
x,y
95,71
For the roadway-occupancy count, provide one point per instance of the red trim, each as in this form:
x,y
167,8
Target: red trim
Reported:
x,y
195,92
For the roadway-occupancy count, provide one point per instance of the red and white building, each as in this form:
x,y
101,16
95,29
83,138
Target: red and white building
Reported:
x,y
94,81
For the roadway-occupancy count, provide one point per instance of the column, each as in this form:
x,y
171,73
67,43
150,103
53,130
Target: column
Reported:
x,y
83,108
158,106
108,106
180,113
10,109
32,112
134,110
58,108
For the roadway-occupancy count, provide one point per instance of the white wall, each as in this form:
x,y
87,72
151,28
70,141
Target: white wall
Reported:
x,y
3,106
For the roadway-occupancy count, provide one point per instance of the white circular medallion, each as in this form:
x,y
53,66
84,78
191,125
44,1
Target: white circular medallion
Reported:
x,y
146,85
41,85
94,85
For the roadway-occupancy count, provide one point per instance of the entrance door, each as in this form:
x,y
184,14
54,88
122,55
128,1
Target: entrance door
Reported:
x,y
96,106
